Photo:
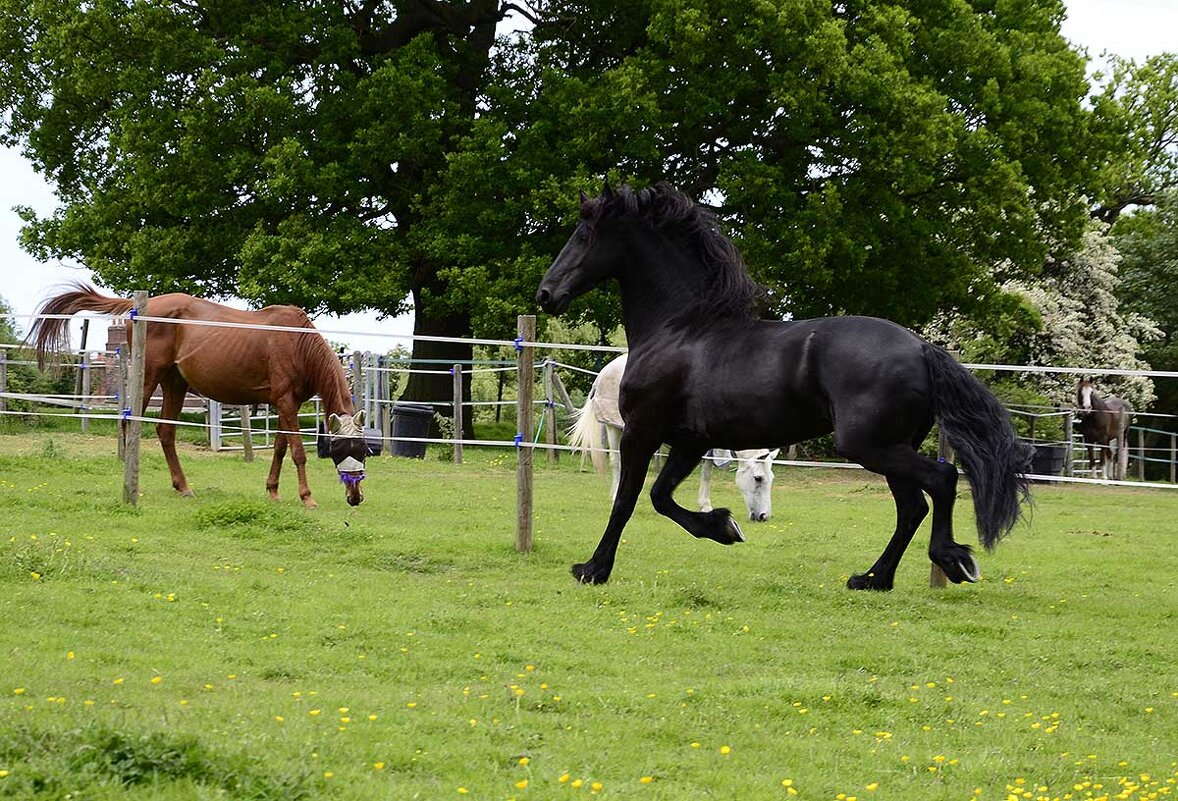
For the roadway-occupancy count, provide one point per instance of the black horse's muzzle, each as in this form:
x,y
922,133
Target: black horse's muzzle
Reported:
x,y
551,303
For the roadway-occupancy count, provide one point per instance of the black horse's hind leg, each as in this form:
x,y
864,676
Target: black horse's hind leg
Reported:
x,y
635,452
715,525
907,469
911,509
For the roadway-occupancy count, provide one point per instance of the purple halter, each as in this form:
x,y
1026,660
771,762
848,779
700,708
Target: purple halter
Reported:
x,y
351,479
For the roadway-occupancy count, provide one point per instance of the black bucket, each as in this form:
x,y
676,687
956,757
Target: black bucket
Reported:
x,y
410,420
1048,460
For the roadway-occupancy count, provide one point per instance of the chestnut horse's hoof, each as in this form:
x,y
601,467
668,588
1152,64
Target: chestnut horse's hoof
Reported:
x,y
586,573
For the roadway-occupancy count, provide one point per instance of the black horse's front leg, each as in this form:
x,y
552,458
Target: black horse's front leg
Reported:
x,y
716,524
635,452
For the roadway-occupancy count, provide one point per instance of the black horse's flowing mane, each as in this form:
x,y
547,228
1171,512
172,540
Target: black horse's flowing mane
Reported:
x,y
730,291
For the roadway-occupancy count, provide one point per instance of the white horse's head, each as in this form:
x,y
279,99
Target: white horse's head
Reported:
x,y
754,479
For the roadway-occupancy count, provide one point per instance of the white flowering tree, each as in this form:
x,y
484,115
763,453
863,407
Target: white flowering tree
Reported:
x,y
1083,324
1069,316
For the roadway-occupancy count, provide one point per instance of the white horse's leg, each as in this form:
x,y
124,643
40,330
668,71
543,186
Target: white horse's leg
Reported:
x,y
705,484
613,443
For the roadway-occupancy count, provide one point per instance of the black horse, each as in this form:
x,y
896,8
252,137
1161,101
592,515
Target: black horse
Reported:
x,y
705,372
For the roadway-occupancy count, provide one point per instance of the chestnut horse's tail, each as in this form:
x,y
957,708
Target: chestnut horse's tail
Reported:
x,y
978,427
51,335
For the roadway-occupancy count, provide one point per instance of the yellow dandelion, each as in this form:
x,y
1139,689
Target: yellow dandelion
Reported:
x,y
463,791
315,713
564,777
378,766
19,691
725,749
576,784
871,788
522,784
69,654
596,787
156,679
3,774
117,681
646,779
524,761
279,718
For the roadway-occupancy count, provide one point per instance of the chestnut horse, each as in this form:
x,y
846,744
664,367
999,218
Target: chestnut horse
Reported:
x,y
1104,424
234,366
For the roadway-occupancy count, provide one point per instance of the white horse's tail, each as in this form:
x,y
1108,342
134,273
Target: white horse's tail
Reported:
x,y
586,434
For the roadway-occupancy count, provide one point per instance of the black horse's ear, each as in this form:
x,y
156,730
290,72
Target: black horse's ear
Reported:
x,y
606,192
584,197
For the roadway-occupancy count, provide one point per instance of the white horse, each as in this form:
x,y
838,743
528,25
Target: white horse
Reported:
x,y
598,431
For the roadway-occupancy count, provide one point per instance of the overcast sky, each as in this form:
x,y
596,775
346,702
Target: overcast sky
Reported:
x,y
1130,28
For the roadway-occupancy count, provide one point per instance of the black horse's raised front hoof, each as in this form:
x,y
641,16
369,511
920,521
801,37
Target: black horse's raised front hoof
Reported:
x,y
719,525
957,562
587,573
869,581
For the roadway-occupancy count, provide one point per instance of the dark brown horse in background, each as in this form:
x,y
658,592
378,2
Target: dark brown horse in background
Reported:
x,y
1104,424
234,366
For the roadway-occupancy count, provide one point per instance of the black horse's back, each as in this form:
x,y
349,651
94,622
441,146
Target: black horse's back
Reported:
x,y
978,427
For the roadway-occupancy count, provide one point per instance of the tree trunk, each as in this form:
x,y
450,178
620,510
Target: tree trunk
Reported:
x,y
438,387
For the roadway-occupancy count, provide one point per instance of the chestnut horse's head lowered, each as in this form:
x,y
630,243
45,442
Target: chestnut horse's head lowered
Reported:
x,y
347,449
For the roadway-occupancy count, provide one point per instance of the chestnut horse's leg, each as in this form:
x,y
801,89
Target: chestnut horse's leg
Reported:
x,y
636,451
276,465
174,389
715,525
288,420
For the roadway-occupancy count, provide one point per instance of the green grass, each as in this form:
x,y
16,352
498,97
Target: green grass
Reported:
x,y
226,646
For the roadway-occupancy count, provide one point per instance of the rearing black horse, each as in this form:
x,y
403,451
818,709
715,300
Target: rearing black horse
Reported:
x,y
704,373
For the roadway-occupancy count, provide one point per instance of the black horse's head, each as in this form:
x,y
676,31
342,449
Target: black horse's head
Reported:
x,y
585,261
347,449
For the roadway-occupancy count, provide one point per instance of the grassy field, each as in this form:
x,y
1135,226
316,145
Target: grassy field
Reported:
x,y
227,647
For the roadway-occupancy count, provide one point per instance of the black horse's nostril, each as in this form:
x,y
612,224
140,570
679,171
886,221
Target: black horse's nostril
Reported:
x,y
542,296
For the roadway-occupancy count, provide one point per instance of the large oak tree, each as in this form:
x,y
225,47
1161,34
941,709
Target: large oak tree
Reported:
x,y
892,157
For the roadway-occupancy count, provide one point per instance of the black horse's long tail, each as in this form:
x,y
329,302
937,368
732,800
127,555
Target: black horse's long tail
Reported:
x,y
979,429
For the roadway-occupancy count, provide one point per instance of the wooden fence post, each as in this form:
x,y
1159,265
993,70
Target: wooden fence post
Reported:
x,y
456,370
134,407
384,412
81,381
84,376
525,373
358,379
936,576
247,440
550,412
1069,456
121,382
3,378
214,413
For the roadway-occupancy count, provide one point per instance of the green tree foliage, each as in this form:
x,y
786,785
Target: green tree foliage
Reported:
x,y
1137,120
1148,241
877,156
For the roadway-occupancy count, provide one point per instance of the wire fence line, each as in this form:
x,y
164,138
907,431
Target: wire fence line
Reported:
x,y
89,406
